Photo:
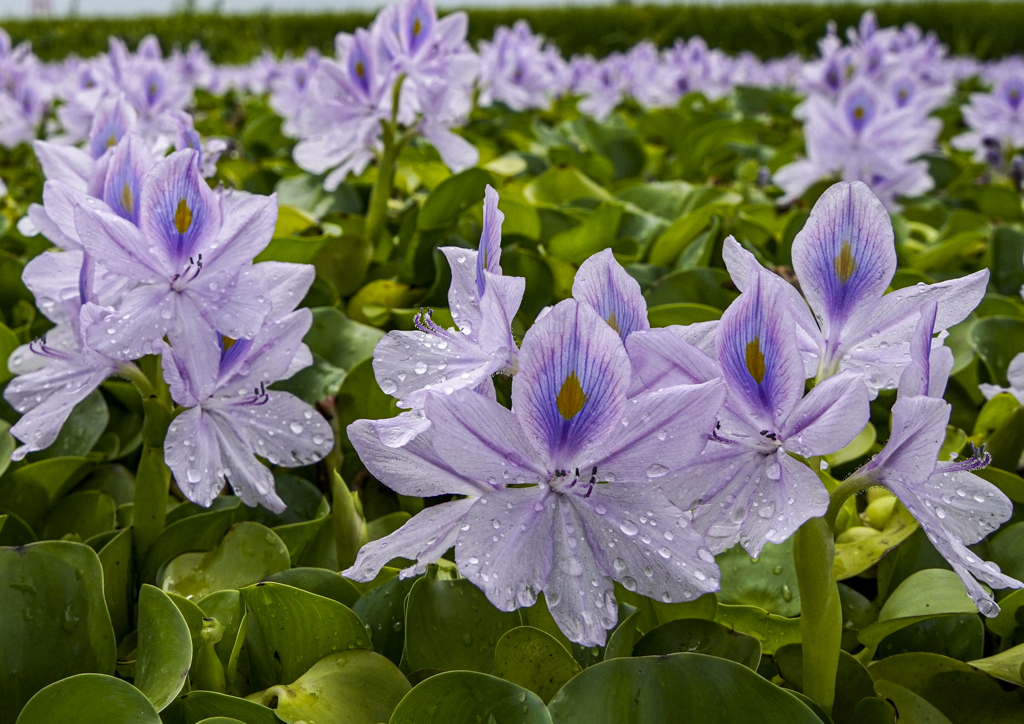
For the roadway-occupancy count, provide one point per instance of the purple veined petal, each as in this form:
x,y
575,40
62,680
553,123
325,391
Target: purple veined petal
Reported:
x,y
424,539
463,297
192,452
246,364
53,278
661,359
234,302
399,430
287,285
360,62
246,229
774,495
68,164
46,397
506,545
489,254
282,428
409,365
415,468
114,119
483,441
24,358
145,316
57,218
456,152
828,417
579,593
570,391
128,166
190,364
418,17
860,108
662,432
957,509
918,430
494,332
120,246
844,257
647,544
741,263
917,375
756,344
37,221
252,482
700,335
602,283
179,213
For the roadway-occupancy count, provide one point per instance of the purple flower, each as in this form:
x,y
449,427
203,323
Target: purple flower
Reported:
x,y
844,258
745,487
996,117
190,256
560,494
603,284
1014,375
231,416
954,507
520,69
409,365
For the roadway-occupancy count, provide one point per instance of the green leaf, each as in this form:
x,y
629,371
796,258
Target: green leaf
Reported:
x,y
86,514
89,699
350,533
382,609
679,687
1006,546
623,637
248,554
82,430
997,340
8,343
767,582
165,648
683,313
597,232
695,635
53,619
1007,665
451,197
910,707
354,687
710,287
291,629
560,185
1007,254
197,706
119,581
30,491
534,660
925,594
228,609
451,625
1004,624
855,557
468,697
673,242
853,682
319,581
1007,443
772,631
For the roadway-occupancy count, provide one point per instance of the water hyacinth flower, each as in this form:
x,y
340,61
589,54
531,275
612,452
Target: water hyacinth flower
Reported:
x,y
995,118
954,507
521,69
844,259
745,487
409,365
603,284
560,499
232,416
191,256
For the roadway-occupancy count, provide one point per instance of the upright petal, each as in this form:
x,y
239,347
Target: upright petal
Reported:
x,y
69,164
756,344
660,359
916,377
844,256
828,417
489,255
602,283
570,391
918,430
463,295
423,539
122,188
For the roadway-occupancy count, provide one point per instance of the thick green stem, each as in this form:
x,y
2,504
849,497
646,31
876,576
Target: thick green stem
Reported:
x,y
377,213
821,615
153,478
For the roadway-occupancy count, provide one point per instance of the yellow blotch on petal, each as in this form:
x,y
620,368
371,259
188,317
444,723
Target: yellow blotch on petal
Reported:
x,y
360,70
417,26
182,217
127,198
613,322
112,140
846,265
858,112
755,360
571,398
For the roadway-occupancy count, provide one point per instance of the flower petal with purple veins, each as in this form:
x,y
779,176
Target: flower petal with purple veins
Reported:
x,y
602,283
282,428
489,253
122,188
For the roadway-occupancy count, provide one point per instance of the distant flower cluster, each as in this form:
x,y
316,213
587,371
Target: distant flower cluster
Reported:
x,y
866,111
635,455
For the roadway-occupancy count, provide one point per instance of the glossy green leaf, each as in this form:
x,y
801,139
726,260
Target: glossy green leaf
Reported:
x,y
701,637
469,697
910,707
30,491
165,648
925,594
997,340
1004,623
767,582
119,581
85,514
771,630
289,630
682,313
382,609
1006,665
319,581
451,625
853,683
855,557
624,636
354,687
558,186
89,699
197,706
596,233
451,197
53,619
679,687
534,660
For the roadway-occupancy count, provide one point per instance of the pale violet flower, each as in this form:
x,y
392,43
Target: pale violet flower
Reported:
x,y
1014,375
